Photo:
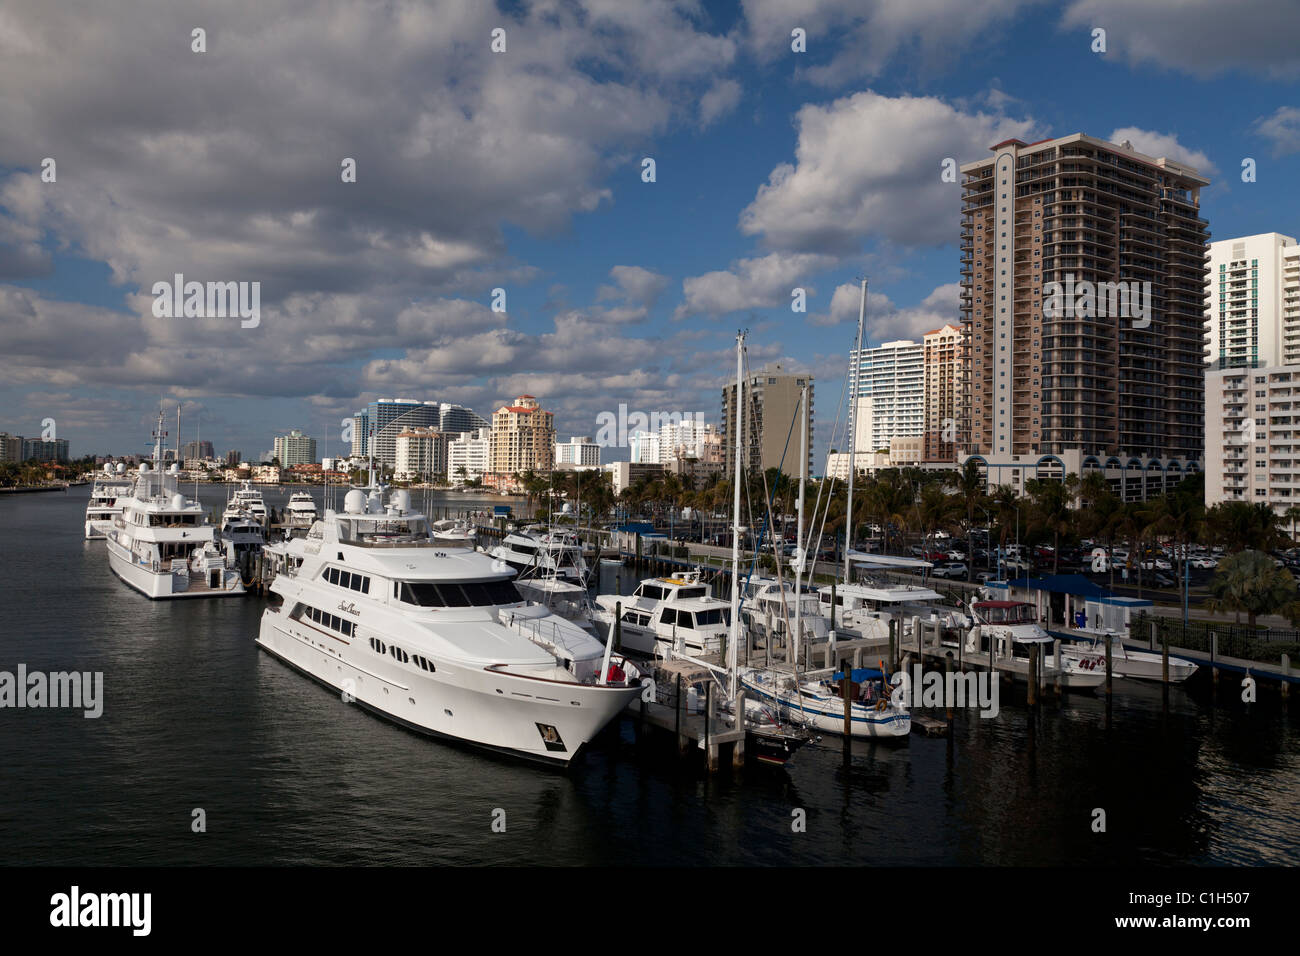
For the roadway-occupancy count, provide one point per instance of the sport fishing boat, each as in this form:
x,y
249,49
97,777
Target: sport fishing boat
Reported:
x,y
454,534
437,639
1007,630
676,614
1090,653
162,545
557,552
105,502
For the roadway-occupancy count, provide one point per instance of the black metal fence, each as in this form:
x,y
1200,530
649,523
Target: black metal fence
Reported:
x,y
1232,640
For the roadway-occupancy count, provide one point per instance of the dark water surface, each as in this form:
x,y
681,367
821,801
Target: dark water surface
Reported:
x,y
195,716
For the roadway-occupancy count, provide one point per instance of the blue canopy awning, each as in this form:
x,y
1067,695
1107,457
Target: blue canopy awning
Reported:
x,y
1075,584
859,674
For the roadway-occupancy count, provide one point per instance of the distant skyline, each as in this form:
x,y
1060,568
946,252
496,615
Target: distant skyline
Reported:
x,y
523,171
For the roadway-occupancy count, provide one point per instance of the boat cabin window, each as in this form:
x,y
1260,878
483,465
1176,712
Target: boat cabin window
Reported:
x,y
652,591
348,579
324,619
458,594
692,593
636,617
670,616
713,616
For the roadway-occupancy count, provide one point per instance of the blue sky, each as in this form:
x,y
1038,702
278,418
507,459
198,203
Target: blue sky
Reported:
x,y
522,170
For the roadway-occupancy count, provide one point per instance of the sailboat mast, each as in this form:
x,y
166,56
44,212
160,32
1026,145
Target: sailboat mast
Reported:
x,y
733,635
853,430
799,546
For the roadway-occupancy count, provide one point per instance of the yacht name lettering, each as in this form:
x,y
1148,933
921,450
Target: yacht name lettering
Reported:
x,y
72,689
349,608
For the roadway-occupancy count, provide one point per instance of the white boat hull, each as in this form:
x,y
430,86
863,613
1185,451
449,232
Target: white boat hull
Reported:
x,y
546,720
1134,665
159,585
826,714
97,529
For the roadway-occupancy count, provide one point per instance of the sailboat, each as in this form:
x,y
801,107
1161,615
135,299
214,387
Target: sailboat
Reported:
x,y
817,702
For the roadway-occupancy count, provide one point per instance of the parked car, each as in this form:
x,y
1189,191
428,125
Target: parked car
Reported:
x,y
1203,563
955,555
1160,564
1164,580
986,576
953,569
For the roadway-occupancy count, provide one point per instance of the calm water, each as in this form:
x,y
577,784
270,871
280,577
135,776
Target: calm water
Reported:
x,y
196,716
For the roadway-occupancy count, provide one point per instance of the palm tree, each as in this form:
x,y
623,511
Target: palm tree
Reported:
x,y
1051,500
971,486
1249,581
1292,514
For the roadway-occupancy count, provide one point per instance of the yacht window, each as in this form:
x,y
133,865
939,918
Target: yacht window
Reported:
x,y
691,593
684,619
467,594
714,615
669,616
523,548
653,591
399,654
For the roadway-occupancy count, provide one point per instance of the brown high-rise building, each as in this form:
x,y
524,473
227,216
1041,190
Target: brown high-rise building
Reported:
x,y
771,398
1105,370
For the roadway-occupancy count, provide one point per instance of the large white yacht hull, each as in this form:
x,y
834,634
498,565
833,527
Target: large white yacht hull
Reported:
x,y
159,585
545,720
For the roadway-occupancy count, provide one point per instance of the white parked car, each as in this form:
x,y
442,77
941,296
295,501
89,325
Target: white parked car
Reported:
x,y
953,569
955,555
1203,563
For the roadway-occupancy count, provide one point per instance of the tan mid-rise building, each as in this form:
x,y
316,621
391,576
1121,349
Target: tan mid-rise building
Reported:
x,y
944,363
523,438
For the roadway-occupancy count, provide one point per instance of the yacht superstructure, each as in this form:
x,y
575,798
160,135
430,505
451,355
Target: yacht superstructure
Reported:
x,y
437,639
557,552
664,614
300,512
105,502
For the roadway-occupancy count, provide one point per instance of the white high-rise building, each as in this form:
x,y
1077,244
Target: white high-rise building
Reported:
x,y
687,439
470,451
889,381
645,448
1252,436
1252,302
579,451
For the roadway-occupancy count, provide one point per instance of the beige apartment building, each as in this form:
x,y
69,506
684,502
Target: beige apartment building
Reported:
x,y
421,455
944,364
523,438
1104,370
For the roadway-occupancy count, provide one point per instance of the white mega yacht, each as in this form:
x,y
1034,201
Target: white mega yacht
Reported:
x,y
436,638
106,500
246,499
865,610
300,512
162,545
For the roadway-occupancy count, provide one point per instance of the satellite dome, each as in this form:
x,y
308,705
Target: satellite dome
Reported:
x,y
121,467
175,469
144,468
354,502
178,502
400,501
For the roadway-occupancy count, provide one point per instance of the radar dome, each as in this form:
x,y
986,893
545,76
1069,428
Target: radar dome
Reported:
x,y
175,469
121,467
354,502
400,501
144,468
178,502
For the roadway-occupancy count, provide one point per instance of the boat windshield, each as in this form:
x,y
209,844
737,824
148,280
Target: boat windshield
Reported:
x,y
457,593
1013,614
384,530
